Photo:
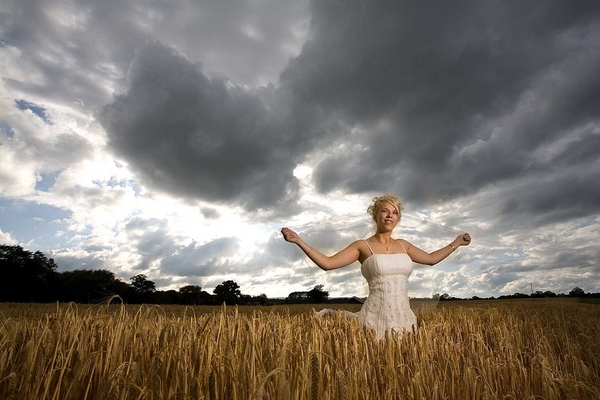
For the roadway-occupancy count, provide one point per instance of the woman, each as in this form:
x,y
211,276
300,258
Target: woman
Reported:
x,y
386,265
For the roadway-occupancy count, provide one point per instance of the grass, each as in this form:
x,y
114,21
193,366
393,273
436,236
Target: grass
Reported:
x,y
463,350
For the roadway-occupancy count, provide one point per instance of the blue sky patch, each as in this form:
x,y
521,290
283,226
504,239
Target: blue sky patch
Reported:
x,y
47,181
37,110
26,221
6,129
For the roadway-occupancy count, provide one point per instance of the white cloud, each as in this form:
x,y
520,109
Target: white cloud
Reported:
x,y
5,238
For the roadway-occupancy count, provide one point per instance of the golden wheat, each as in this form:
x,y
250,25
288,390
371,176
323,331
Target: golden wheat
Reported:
x,y
465,350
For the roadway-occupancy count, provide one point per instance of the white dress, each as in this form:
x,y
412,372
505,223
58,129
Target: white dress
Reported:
x,y
387,306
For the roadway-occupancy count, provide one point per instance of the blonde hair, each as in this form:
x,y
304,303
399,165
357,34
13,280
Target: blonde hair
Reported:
x,y
386,198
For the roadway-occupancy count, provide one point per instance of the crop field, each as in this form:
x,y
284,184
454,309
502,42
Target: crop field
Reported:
x,y
512,349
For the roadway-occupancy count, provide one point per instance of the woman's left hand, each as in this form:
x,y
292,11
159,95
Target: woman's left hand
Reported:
x,y
463,239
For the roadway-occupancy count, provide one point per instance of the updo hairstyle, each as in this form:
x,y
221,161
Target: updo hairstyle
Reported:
x,y
376,206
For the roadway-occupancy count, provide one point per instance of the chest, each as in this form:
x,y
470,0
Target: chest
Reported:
x,y
386,264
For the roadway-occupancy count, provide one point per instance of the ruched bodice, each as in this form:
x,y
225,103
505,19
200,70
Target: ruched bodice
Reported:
x,y
387,306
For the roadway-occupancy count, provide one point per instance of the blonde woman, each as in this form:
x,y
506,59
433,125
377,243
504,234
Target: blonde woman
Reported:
x,y
386,264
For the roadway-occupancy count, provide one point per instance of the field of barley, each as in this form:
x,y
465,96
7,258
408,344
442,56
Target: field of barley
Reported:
x,y
513,349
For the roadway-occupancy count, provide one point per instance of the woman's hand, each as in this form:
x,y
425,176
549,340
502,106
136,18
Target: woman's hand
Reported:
x,y
290,236
463,239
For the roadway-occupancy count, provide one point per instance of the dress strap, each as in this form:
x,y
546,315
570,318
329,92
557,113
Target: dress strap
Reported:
x,y
402,246
369,247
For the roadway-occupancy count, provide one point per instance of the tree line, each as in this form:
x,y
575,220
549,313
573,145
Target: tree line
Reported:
x,y
576,292
32,277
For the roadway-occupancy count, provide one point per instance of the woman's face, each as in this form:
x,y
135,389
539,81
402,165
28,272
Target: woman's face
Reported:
x,y
387,217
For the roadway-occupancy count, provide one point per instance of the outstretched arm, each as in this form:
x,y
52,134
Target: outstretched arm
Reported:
x,y
326,263
422,257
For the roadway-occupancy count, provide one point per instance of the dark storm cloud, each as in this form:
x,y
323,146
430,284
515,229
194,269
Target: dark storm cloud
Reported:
x,y
451,98
584,257
583,150
555,198
198,138
447,100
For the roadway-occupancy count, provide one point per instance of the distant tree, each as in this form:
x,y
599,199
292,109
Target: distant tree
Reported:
x,y
436,297
191,294
228,292
194,295
142,290
445,297
190,290
86,286
262,299
26,276
577,292
142,285
297,298
318,295
247,299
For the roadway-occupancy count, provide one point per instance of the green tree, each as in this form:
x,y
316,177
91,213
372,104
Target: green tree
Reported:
x,y
89,285
192,294
577,292
26,276
143,289
297,298
142,285
262,299
318,295
228,292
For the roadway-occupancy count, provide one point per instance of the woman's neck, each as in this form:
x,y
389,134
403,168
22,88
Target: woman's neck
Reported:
x,y
383,236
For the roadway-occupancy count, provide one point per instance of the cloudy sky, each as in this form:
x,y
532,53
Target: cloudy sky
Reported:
x,y
175,138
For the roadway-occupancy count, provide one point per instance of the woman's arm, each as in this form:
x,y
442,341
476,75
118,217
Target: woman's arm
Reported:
x,y
341,259
422,257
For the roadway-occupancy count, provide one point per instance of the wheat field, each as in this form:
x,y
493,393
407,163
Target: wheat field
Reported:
x,y
514,349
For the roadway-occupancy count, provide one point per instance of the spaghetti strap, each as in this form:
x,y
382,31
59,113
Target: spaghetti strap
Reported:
x,y
402,246
369,247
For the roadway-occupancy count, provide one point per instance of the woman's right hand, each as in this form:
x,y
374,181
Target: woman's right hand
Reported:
x,y
290,236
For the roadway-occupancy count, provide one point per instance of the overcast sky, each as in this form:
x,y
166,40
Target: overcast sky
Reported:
x,y
175,138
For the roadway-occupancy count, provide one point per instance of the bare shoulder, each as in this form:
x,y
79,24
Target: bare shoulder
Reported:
x,y
363,249
360,245
407,245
